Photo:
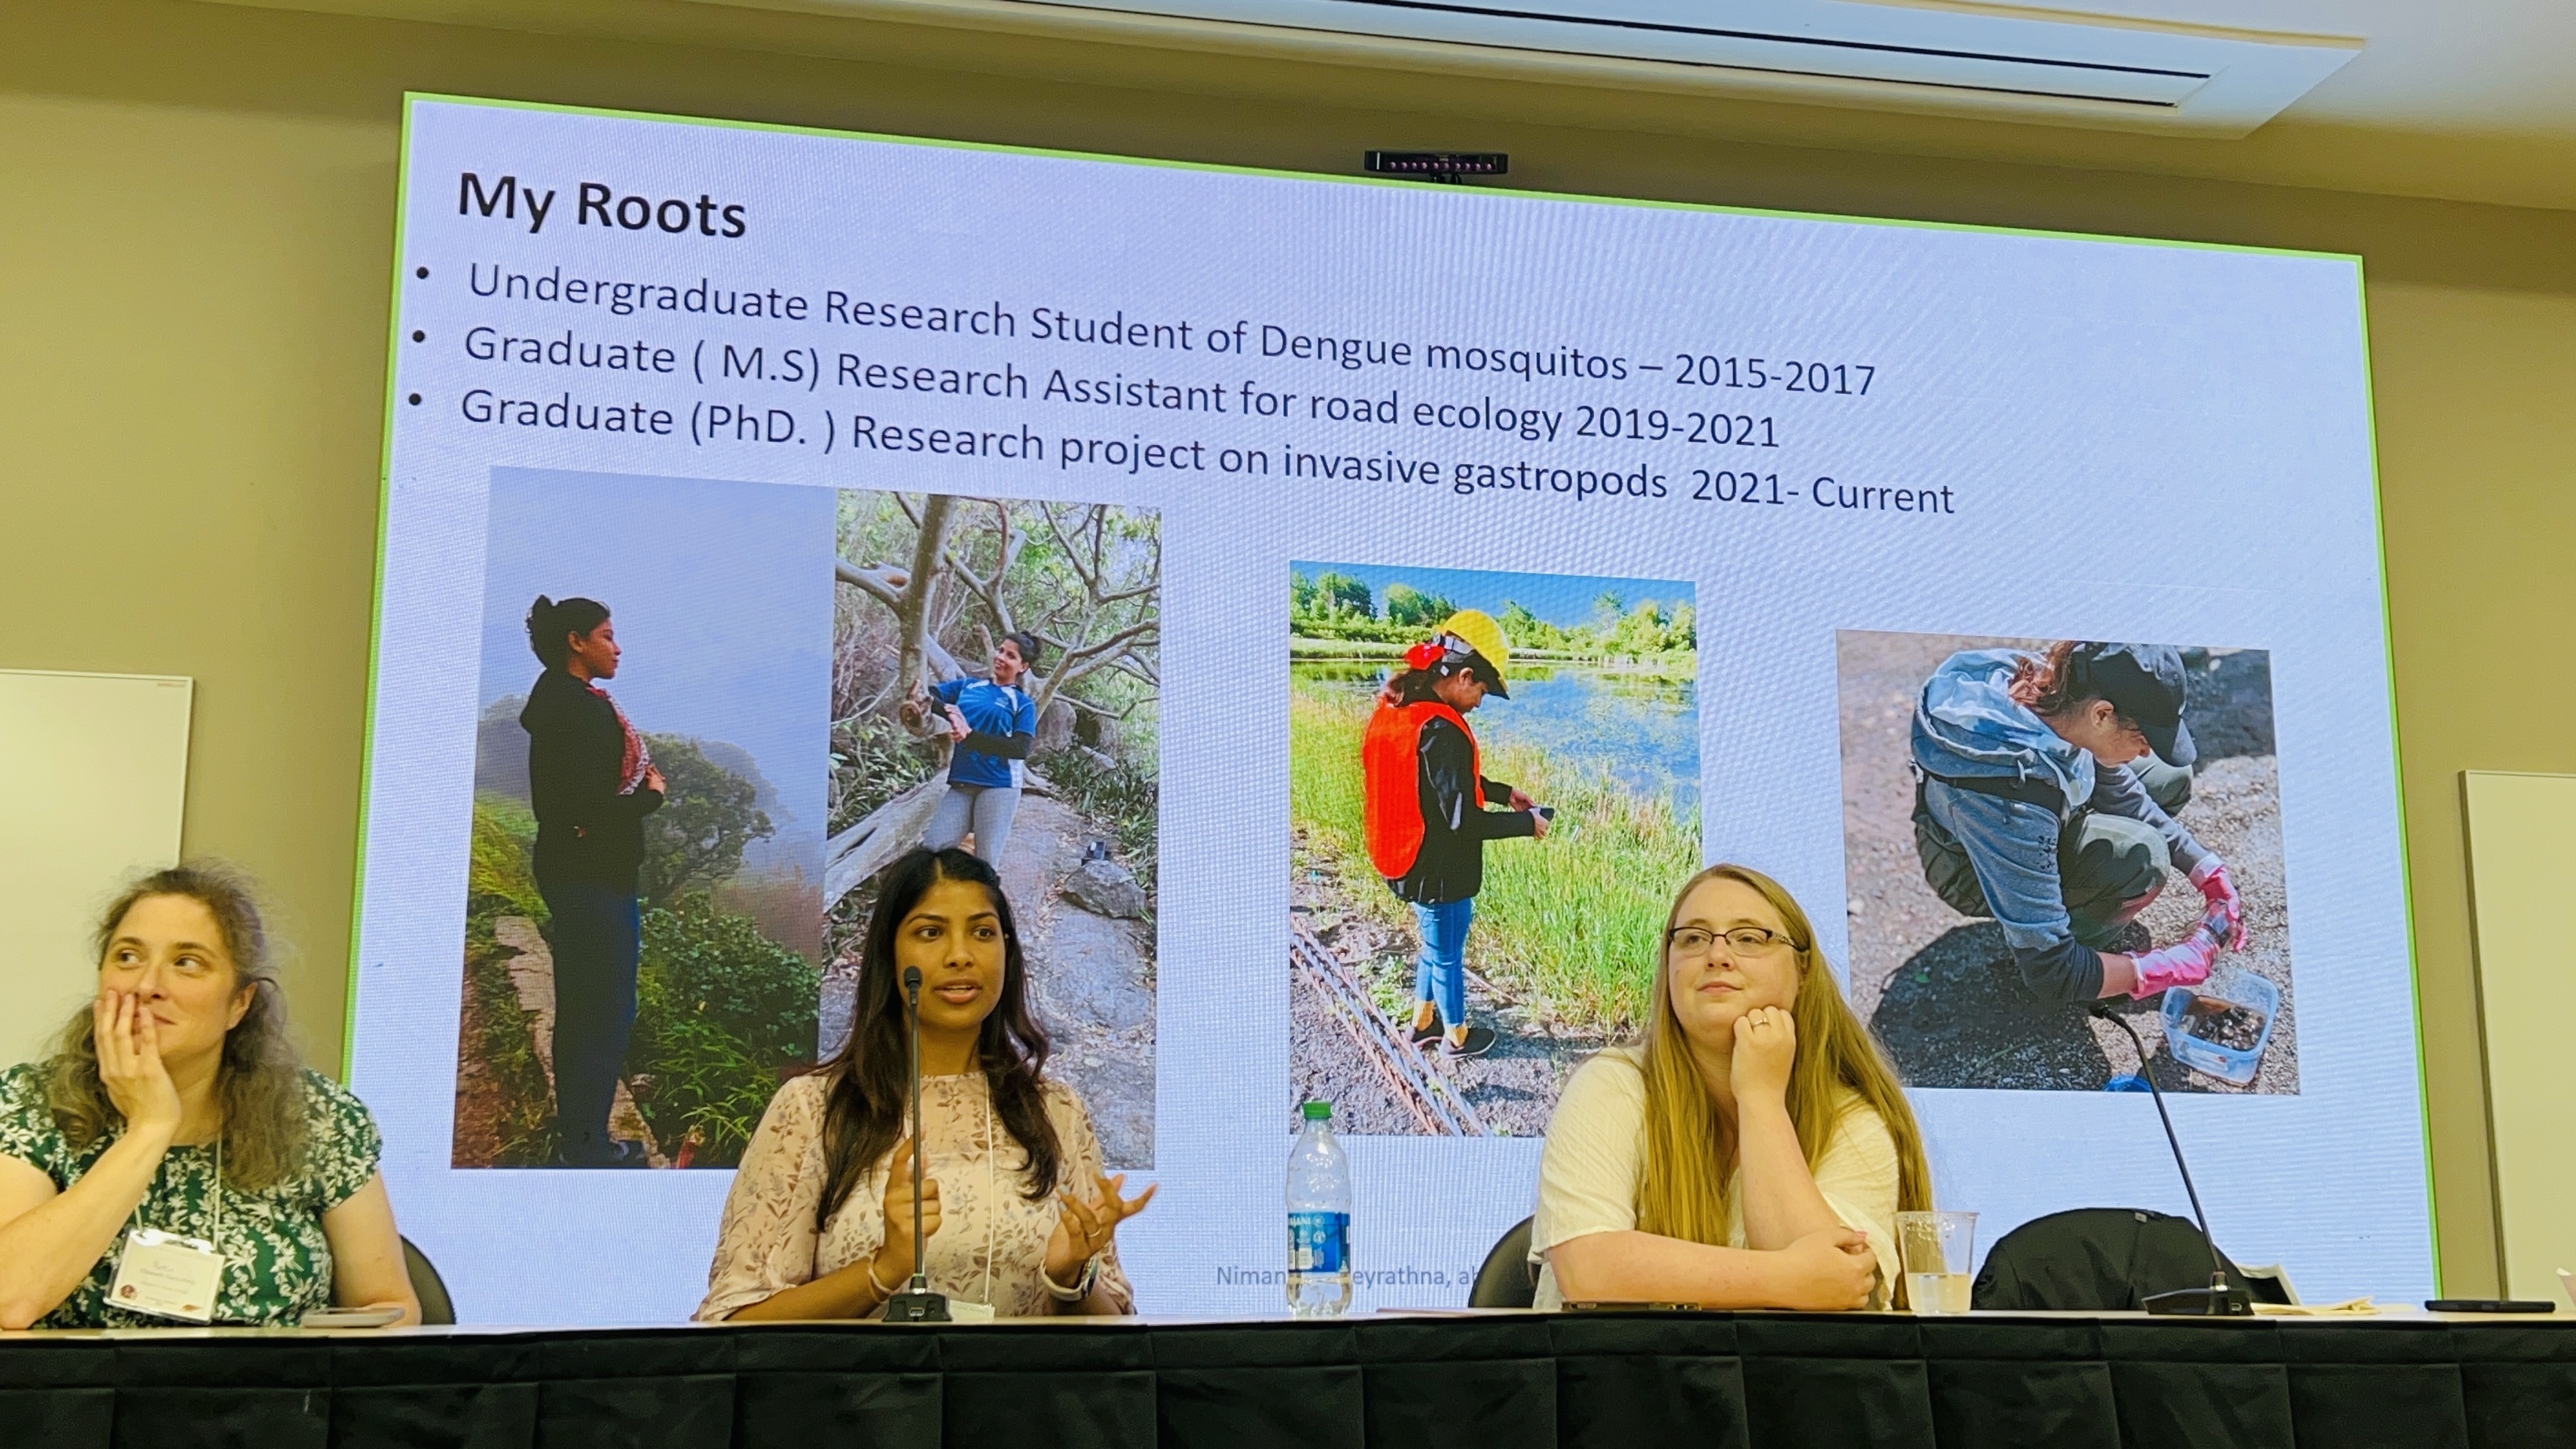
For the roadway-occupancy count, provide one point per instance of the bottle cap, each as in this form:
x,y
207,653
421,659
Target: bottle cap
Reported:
x,y
1319,1111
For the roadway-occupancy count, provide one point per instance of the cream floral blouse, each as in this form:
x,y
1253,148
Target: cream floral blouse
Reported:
x,y
992,1241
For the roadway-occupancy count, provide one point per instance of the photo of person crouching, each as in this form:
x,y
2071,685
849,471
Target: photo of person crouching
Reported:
x,y
1427,810
2046,788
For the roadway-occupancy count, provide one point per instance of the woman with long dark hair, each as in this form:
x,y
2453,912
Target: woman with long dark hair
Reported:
x,y
591,782
1427,810
173,1104
1020,1215
994,723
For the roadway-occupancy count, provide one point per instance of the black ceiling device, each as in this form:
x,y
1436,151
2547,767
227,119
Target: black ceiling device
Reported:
x,y
1452,167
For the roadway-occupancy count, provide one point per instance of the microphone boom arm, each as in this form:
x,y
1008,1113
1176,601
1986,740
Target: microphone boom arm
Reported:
x,y
2219,1299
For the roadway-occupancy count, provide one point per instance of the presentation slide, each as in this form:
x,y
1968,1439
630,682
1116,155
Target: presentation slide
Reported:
x,y
1770,525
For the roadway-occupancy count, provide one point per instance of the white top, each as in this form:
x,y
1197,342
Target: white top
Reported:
x,y
1587,1178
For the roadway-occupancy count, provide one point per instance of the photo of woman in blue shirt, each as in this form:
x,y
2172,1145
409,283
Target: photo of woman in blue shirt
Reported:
x,y
995,724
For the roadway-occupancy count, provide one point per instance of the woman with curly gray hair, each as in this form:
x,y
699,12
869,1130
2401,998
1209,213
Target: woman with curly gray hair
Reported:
x,y
174,1107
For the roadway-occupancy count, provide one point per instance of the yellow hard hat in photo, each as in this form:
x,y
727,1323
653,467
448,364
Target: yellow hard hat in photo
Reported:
x,y
1477,630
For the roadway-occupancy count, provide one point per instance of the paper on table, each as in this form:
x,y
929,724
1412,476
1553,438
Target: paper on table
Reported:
x,y
2349,1308
2567,1281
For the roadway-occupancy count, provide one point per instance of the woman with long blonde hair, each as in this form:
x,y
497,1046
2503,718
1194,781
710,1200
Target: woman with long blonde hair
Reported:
x,y
1752,1150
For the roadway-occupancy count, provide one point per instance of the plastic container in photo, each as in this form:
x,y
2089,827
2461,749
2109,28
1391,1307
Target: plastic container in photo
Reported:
x,y
2235,987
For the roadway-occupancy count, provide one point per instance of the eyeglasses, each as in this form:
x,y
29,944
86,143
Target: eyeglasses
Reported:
x,y
1693,942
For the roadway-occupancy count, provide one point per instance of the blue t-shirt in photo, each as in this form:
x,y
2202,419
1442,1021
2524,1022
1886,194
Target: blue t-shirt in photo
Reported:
x,y
993,709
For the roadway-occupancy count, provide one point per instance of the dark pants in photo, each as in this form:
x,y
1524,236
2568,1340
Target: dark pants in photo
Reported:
x,y
2109,867
597,939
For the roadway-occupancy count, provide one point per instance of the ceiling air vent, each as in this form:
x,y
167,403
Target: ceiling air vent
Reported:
x,y
1989,60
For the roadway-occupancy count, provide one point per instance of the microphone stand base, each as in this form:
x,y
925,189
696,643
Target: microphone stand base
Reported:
x,y
928,1307
2201,1303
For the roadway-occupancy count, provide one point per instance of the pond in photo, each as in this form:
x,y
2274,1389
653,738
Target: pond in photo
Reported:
x,y
1639,727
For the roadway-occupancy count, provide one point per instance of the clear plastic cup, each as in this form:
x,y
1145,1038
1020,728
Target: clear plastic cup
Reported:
x,y
1936,1251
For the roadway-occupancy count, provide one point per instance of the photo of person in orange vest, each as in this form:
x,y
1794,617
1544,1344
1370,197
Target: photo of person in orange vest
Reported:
x,y
1429,810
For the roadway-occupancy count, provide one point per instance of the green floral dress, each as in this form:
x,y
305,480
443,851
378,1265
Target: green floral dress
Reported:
x,y
280,1262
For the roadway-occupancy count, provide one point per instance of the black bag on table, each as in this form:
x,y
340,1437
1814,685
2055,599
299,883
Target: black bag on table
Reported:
x,y
2096,1260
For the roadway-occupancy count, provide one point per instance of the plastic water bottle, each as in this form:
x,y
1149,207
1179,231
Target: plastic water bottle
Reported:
x,y
1319,1219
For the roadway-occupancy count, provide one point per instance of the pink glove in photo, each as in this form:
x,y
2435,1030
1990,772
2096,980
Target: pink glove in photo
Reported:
x,y
2224,903
2184,963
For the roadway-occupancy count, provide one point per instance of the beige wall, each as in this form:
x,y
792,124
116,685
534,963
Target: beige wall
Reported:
x,y
194,257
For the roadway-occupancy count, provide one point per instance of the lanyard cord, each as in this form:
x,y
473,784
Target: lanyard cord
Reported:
x,y
991,1201
215,1238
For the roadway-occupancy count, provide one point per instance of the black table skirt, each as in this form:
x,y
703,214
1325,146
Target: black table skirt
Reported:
x,y
1603,1381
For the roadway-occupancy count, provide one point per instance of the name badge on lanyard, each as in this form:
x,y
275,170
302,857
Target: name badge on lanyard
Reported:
x,y
168,1276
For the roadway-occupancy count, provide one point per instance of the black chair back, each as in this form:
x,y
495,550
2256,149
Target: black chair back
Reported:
x,y
427,1286
1505,1281
2095,1260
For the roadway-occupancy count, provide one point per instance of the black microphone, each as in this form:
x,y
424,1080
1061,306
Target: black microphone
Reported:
x,y
2219,1299
916,1303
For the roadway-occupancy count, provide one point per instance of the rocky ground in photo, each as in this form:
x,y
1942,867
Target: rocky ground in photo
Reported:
x,y
1940,989
1091,980
532,977
1513,1088
480,1097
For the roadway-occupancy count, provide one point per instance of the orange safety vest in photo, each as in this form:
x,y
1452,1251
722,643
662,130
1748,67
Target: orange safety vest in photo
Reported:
x,y
1391,777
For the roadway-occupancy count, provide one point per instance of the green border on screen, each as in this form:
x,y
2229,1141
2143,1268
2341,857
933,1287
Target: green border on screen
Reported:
x,y
376,605
413,99
2397,760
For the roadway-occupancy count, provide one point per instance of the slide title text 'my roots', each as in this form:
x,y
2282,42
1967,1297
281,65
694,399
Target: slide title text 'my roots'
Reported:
x,y
599,204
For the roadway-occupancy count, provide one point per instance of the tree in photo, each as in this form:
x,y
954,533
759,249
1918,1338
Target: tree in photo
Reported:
x,y
997,685
1083,580
723,1005
696,840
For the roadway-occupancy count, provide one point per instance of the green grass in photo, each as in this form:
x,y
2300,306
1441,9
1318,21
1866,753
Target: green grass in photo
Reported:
x,y
499,883
722,1010
1569,922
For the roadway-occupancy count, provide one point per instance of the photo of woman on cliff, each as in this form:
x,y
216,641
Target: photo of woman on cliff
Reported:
x,y
643,902
591,781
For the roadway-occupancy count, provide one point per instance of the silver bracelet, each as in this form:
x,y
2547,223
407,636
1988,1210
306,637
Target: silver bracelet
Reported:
x,y
1082,1285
